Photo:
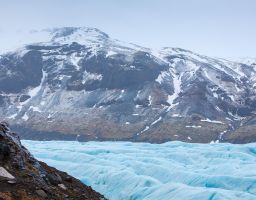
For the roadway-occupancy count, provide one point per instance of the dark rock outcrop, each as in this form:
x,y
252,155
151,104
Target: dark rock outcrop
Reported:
x,y
22,177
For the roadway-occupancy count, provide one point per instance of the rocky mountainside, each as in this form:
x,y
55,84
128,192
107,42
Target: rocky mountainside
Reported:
x,y
81,84
23,177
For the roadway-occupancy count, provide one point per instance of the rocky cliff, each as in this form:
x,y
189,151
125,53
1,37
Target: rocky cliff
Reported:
x,y
22,177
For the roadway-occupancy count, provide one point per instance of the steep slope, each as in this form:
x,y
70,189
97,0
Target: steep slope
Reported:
x,y
23,177
82,84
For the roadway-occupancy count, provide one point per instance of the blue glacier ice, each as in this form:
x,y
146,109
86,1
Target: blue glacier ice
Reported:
x,y
142,171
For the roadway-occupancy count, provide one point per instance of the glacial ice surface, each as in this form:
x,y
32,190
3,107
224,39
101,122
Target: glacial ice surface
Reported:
x,y
141,171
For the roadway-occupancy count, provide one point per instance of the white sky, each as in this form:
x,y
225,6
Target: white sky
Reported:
x,y
221,28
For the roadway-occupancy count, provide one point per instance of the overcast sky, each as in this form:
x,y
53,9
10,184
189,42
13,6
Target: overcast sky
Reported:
x,y
220,28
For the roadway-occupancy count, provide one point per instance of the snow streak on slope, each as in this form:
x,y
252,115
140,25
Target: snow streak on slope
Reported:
x,y
177,89
141,171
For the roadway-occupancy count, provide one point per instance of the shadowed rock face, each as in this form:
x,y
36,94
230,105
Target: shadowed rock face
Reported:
x,y
84,83
23,177
117,72
18,74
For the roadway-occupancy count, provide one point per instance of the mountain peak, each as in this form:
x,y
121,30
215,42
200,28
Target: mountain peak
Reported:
x,y
153,91
76,34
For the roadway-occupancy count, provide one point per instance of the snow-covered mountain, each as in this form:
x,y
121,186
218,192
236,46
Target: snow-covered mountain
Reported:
x,y
81,84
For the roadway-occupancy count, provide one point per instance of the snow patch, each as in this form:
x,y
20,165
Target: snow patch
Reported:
x,y
221,134
236,116
25,117
35,109
177,90
189,138
212,121
34,92
110,53
91,76
74,59
150,100
144,130
156,121
176,115
193,126
161,77
12,116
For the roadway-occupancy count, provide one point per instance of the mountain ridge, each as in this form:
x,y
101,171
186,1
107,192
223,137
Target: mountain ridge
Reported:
x,y
84,83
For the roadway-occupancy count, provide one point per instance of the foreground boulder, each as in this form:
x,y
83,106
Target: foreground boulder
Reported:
x,y
23,177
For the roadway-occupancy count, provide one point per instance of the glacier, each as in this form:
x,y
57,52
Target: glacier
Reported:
x,y
168,171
